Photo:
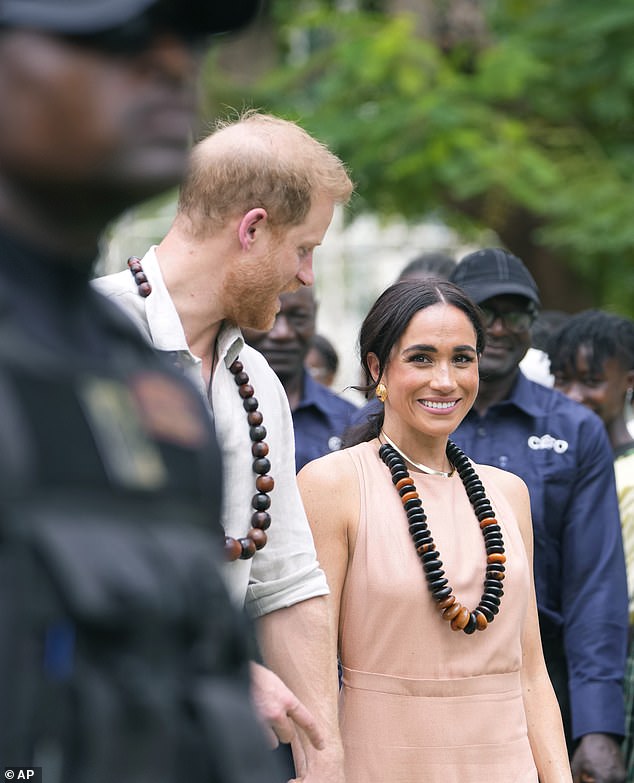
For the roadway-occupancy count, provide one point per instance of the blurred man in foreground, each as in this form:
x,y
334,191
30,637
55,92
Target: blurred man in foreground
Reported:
x,y
121,658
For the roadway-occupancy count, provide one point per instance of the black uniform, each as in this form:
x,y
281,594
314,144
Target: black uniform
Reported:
x,y
120,657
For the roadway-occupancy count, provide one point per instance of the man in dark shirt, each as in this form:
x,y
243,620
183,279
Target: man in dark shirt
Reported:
x,y
319,415
121,657
561,451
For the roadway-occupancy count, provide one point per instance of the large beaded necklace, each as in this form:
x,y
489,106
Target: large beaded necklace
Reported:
x,y
460,617
239,548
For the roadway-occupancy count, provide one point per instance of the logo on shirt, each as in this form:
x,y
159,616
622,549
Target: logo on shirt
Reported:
x,y
547,442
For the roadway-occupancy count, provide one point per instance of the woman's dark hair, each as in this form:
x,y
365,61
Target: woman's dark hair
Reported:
x,y
383,326
606,335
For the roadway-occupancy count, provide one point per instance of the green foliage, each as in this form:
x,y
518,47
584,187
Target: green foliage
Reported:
x,y
529,135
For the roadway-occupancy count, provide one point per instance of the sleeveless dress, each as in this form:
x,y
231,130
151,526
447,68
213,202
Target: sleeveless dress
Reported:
x,y
421,703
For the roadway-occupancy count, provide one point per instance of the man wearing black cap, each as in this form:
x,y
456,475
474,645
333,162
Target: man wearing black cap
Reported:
x,y
120,659
561,451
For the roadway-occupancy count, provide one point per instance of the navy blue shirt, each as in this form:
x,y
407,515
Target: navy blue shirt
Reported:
x,y
319,421
561,450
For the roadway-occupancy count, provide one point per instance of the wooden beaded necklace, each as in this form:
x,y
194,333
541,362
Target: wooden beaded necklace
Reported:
x,y
239,548
460,617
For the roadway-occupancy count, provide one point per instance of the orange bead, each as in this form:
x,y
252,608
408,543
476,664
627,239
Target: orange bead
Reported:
x,y
404,482
481,620
488,521
448,601
496,557
452,611
409,496
461,619
423,548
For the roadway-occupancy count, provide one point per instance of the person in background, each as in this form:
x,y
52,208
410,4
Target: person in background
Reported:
x,y
592,359
429,264
121,656
319,415
536,364
322,360
562,452
437,685
258,198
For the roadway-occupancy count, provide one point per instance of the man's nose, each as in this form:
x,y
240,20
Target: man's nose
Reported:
x,y
305,274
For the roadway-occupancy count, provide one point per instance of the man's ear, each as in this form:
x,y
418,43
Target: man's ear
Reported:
x,y
247,226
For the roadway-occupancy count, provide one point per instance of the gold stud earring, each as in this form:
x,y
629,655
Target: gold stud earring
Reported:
x,y
381,392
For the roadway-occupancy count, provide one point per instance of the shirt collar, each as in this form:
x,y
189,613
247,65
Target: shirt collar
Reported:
x,y
229,343
315,394
522,395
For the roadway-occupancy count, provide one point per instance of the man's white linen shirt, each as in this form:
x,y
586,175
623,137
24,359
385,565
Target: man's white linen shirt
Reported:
x,y
286,570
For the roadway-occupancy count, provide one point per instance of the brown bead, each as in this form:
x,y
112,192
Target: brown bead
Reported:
x,y
264,483
496,575
258,537
259,449
255,418
449,601
488,521
236,367
232,549
481,620
409,496
452,611
145,289
496,557
423,548
404,482
246,390
461,619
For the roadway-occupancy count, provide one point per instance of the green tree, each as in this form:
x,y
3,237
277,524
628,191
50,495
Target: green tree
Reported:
x,y
527,132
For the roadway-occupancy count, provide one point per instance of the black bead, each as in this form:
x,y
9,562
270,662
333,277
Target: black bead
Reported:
x,y
496,567
241,378
260,501
433,576
494,549
437,584
430,566
428,557
422,537
413,503
439,595
485,603
493,584
471,626
417,527
261,466
250,404
400,474
257,433
407,488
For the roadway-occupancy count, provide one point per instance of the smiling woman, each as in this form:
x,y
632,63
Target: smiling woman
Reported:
x,y
420,702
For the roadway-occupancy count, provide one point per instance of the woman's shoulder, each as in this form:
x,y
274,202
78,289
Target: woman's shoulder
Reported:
x,y
336,466
504,480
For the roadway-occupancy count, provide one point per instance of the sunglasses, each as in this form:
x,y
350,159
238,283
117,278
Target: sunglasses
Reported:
x,y
513,320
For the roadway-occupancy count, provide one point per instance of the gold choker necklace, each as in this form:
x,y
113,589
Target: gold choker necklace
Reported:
x,y
418,465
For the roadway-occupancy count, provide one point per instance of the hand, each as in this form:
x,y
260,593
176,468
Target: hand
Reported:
x,y
598,759
281,711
